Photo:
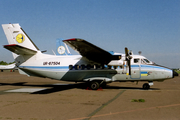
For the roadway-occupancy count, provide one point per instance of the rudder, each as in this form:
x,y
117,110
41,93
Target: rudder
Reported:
x,y
16,35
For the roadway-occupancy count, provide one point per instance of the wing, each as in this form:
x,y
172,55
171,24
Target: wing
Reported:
x,y
91,51
19,49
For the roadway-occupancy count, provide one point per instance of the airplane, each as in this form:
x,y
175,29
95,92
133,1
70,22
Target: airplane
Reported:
x,y
8,67
95,66
61,47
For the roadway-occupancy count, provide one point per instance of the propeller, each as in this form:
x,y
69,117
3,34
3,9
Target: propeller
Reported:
x,y
128,59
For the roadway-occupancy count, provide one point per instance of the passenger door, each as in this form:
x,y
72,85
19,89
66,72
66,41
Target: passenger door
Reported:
x,y
135,68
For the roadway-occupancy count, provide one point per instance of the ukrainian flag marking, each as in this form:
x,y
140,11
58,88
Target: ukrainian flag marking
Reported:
x,y
144,73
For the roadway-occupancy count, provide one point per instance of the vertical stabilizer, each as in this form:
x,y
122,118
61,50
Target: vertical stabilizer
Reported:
x,y
61,47
21,46
16,35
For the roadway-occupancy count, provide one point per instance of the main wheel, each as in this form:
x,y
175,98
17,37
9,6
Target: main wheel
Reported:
x,y
146,86
94,85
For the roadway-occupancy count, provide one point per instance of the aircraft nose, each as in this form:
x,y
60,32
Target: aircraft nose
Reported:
x,y
174,73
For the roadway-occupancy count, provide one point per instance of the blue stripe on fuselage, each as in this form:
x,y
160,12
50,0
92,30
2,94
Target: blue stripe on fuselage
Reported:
x,y
49,67
67,67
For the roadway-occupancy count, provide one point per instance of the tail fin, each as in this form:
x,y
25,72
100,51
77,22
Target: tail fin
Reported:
x,y
61,47
16,35
19,43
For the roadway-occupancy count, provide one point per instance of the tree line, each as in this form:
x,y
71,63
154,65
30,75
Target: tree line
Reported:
x,y
5,63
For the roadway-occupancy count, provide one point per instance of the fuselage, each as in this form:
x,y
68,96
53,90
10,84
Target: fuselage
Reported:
x,y
78,68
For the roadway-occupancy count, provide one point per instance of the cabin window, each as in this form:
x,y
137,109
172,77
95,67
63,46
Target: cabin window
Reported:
x,y
77,67
121,67
88,67
102,67
95,66
115,67
70,67
109,67
82,67
136,60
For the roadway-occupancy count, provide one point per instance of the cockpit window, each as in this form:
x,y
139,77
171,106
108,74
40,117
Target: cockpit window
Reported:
x,y
145,61
136,60
142,61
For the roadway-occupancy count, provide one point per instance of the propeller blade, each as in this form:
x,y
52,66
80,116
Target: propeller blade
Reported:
x,y
128,59
129,64
126,51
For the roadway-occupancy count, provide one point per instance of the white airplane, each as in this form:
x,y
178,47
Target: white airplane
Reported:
x,y
8,67
61,48
94,65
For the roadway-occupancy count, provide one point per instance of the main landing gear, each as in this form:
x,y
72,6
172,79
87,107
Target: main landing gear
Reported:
x,y
146,86
94,85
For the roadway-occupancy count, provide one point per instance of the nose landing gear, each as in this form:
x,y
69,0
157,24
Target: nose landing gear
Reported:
x,y
146,86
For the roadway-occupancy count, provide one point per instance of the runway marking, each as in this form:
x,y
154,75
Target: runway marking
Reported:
x,y
98,109
108,114
26,90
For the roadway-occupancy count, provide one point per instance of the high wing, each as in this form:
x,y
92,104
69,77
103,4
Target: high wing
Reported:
x,y
91,51
19,49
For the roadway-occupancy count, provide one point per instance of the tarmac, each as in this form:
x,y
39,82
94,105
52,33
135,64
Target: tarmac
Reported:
x,y
33,98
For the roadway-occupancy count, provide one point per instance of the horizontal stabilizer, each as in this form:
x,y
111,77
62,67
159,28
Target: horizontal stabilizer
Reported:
x,y
19,50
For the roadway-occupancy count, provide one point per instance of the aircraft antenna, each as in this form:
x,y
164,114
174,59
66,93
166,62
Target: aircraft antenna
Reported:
x,y
53,52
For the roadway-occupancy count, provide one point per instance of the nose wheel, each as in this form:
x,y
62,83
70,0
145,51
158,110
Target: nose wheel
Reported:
x,y
146,86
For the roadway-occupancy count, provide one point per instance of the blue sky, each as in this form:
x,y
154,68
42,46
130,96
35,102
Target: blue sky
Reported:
x,y
150,26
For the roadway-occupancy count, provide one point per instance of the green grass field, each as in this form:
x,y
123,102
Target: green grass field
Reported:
x,y
178,71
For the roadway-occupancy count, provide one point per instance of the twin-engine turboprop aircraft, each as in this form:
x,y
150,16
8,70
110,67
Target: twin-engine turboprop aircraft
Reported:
x,y
94,65
7,67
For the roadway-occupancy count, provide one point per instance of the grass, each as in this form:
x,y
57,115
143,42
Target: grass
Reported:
x,y
8,118
137,100
178,71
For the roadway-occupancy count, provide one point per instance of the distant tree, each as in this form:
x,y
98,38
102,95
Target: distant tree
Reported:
x,y
11,63
3,63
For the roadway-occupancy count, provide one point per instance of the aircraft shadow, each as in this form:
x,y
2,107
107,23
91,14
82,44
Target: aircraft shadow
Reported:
x,y
57,88
62,87
51,88
128,88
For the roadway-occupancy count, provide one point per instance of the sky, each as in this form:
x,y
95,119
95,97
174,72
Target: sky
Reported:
x,y
150,26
